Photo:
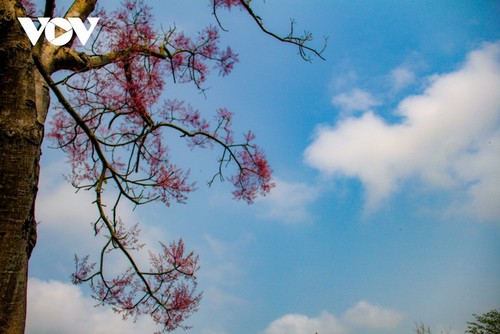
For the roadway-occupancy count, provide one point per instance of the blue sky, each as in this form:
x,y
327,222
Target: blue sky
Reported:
x,y
387,162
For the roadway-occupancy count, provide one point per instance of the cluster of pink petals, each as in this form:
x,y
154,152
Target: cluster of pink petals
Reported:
x,y
171,278
227,4
255,176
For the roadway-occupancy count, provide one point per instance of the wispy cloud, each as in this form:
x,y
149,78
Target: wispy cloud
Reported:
x,y
449,138
405,74
224,269
362,316
401,77
289,202
355,100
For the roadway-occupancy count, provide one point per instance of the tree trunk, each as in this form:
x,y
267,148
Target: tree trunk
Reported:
x,y
21,134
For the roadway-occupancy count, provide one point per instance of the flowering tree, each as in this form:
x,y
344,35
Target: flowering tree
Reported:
x,y
111,118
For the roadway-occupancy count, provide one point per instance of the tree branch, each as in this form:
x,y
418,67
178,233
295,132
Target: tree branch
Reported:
x,y
50,6
70,59
81,9
290,39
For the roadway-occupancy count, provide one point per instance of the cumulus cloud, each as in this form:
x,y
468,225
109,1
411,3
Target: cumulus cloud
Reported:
x,y
362,316
56,307
365,315
288,202
355,100
300,324
59,308
449,138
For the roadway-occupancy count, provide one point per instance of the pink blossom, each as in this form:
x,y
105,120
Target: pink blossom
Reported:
x,y
29,6
227,4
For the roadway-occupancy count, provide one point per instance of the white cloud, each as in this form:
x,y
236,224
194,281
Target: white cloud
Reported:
x,y
356,100
66,223
401,77
60,209
345,79
365,315
55,307
59,308
288,202
301,324
362,316
449,138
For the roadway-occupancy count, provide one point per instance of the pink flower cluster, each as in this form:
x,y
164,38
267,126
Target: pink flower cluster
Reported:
x,y
189,60
255,173
227,4
167,292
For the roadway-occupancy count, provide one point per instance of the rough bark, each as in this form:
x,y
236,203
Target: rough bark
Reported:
x,y
21,134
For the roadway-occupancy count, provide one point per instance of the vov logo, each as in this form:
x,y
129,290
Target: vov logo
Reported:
x,y
49,26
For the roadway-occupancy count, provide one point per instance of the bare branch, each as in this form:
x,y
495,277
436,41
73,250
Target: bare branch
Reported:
x,y
290,38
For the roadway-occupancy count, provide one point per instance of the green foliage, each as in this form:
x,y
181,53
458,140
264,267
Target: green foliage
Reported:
x,y
488,323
